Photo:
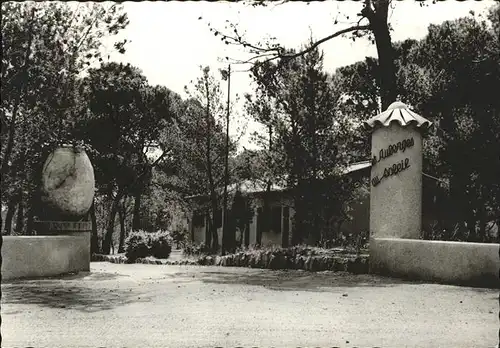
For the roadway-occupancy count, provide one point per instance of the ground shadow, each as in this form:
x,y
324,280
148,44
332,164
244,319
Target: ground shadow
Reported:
x,y
70,292
290,280
67,276
299,280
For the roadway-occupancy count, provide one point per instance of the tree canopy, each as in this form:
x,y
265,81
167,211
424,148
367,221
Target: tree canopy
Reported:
x,y
152,149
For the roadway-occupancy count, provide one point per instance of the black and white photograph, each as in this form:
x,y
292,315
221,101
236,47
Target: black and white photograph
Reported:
x,y
184,174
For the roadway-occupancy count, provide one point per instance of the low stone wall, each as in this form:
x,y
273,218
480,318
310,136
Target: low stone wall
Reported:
x,y
42,256
267,260
476,264
146,260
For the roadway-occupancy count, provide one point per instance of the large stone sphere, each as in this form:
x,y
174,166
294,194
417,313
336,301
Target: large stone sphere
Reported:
x,y
67,184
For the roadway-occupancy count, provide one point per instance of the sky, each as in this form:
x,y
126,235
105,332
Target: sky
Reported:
x,y
169,42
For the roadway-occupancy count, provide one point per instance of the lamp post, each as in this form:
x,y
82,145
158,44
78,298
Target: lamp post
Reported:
x,y
226,74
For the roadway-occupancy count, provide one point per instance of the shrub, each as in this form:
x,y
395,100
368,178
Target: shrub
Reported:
x,y
137,245
192,249
161,244
140,244
180,236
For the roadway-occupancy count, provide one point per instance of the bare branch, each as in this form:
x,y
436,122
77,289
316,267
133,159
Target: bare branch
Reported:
x,y
239,41
278,55
250,60
329,37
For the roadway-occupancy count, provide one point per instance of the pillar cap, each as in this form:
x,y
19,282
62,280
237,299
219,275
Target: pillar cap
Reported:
x,y
400,113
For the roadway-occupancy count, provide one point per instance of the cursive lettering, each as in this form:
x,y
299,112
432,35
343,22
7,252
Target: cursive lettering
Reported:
x,y
392,170
392,149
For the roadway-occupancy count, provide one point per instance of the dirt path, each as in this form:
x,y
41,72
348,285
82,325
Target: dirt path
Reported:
x,y
137,305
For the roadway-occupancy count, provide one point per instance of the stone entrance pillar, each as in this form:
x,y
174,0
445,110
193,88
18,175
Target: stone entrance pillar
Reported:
x,y
396,173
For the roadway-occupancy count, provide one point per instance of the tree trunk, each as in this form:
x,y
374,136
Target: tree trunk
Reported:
x,y
121,244
208,229
385,51
136,219
215,235
20,216
267,197
106,244
483,216
498,233
298,229
247,234
266,212
471,226
314,194
260,219
191,228
483,234
11,209
213,196
108,238
296,179
30,226
227,234
94,240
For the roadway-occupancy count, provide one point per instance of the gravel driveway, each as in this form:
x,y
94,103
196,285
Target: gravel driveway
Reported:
x,y
136,305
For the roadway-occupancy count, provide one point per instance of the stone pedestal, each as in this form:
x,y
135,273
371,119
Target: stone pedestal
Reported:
x,y
80,229
62,243
396,173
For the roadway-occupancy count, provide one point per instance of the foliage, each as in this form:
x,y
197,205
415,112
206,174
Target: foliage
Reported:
x,y
161,244
252,165
203,146
137,245
127,117
298,257
241,214
57,88
193,249
359,86
372,23
180,236
203,129
45,47
309,138
141,244
451,77
155,207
